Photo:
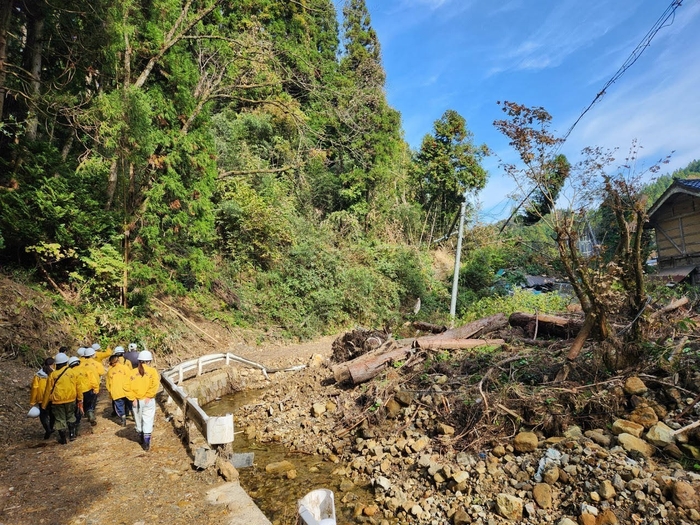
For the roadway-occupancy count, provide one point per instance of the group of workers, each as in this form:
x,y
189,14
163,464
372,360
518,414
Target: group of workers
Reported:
x,y
66,388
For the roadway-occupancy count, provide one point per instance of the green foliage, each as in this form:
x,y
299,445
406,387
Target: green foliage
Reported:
x,y
520,301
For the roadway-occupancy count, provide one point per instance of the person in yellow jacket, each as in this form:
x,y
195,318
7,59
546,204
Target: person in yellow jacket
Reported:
x,y
63,393
94,370
101,355
117,376
39,382
141,389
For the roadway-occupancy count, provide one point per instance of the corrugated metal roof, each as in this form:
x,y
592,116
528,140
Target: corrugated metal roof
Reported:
x,y
675,275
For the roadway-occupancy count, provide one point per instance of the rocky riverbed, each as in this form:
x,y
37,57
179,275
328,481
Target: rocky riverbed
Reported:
x,y
411,438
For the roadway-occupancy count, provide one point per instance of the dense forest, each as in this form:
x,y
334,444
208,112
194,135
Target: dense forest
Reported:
x,y
241,154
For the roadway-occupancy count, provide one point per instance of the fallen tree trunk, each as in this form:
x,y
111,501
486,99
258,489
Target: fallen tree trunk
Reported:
x,y
429,327
456,344
366,366
550,325
673,305
468,331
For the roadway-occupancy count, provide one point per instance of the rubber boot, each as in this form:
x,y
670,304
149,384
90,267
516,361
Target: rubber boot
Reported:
x,y
141,438
72,433
123,421
91,417
62,437
48,433
146,442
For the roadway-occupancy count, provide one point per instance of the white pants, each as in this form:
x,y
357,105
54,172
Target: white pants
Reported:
x,y
144,414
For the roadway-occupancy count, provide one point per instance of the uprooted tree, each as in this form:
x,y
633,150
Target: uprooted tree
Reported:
x,y
607,282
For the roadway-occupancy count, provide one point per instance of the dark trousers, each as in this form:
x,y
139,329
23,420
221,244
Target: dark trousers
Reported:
x,y
89,401
121,406
46,418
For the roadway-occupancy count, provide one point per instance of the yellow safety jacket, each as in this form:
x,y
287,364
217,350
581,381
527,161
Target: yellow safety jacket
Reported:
x,y
62,388
88,379
96,365
101,355
142,386
117,377
39,382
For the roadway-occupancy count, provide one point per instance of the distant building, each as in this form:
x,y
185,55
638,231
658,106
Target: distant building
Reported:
x,y
675,217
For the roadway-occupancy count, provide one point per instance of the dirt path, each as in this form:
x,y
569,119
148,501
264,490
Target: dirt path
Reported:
x,y
104,477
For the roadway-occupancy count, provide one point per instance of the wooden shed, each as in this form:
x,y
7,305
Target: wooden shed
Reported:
x,y
675,217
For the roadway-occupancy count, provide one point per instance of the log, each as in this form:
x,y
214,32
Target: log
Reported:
x,y
550,325
456,344
467,331
673,305
583,334
366,366
429,327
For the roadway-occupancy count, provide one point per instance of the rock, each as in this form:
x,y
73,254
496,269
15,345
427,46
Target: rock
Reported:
x,y
382,482
645,416
393,408
420,444
318,409
606,489
673,451
346,485
316,361
461,517
621,426
525,442
445,430
204,458
566,521
573,432
509,506
331,406
634,386
280,467
542,494
683,495
499,451
551,475
660,435
598,437
633,444
370,510
607,517
291,474
226,470
586,519
404,398
460,476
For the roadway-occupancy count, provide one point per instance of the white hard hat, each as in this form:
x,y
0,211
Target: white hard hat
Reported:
x,y
89,352
96,346
61,358
118,350
132,347
73,361
34,411
81,351
145,355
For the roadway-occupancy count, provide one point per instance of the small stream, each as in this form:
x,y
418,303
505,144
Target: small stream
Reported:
x,y
276,495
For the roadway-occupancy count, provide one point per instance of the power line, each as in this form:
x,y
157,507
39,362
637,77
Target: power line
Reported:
x,y
631,59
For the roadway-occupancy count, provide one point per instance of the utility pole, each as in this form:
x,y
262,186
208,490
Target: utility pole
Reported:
x,y
455,280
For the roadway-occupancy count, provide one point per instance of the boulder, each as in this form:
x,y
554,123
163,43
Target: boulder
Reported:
x,y
684,496
633,444
525,442
623,426
226,470
660,435
645,416
509,506
279,467
634,386
542,494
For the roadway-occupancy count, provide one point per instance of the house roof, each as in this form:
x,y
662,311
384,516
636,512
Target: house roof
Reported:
x,y
679,186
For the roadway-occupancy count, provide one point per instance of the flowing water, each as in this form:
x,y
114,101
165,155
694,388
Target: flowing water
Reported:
x,y
276,495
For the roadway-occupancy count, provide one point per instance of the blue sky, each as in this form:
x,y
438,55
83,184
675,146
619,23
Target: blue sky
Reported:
x,y
466,55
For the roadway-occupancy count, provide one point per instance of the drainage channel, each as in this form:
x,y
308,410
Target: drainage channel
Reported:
x,y
276,495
